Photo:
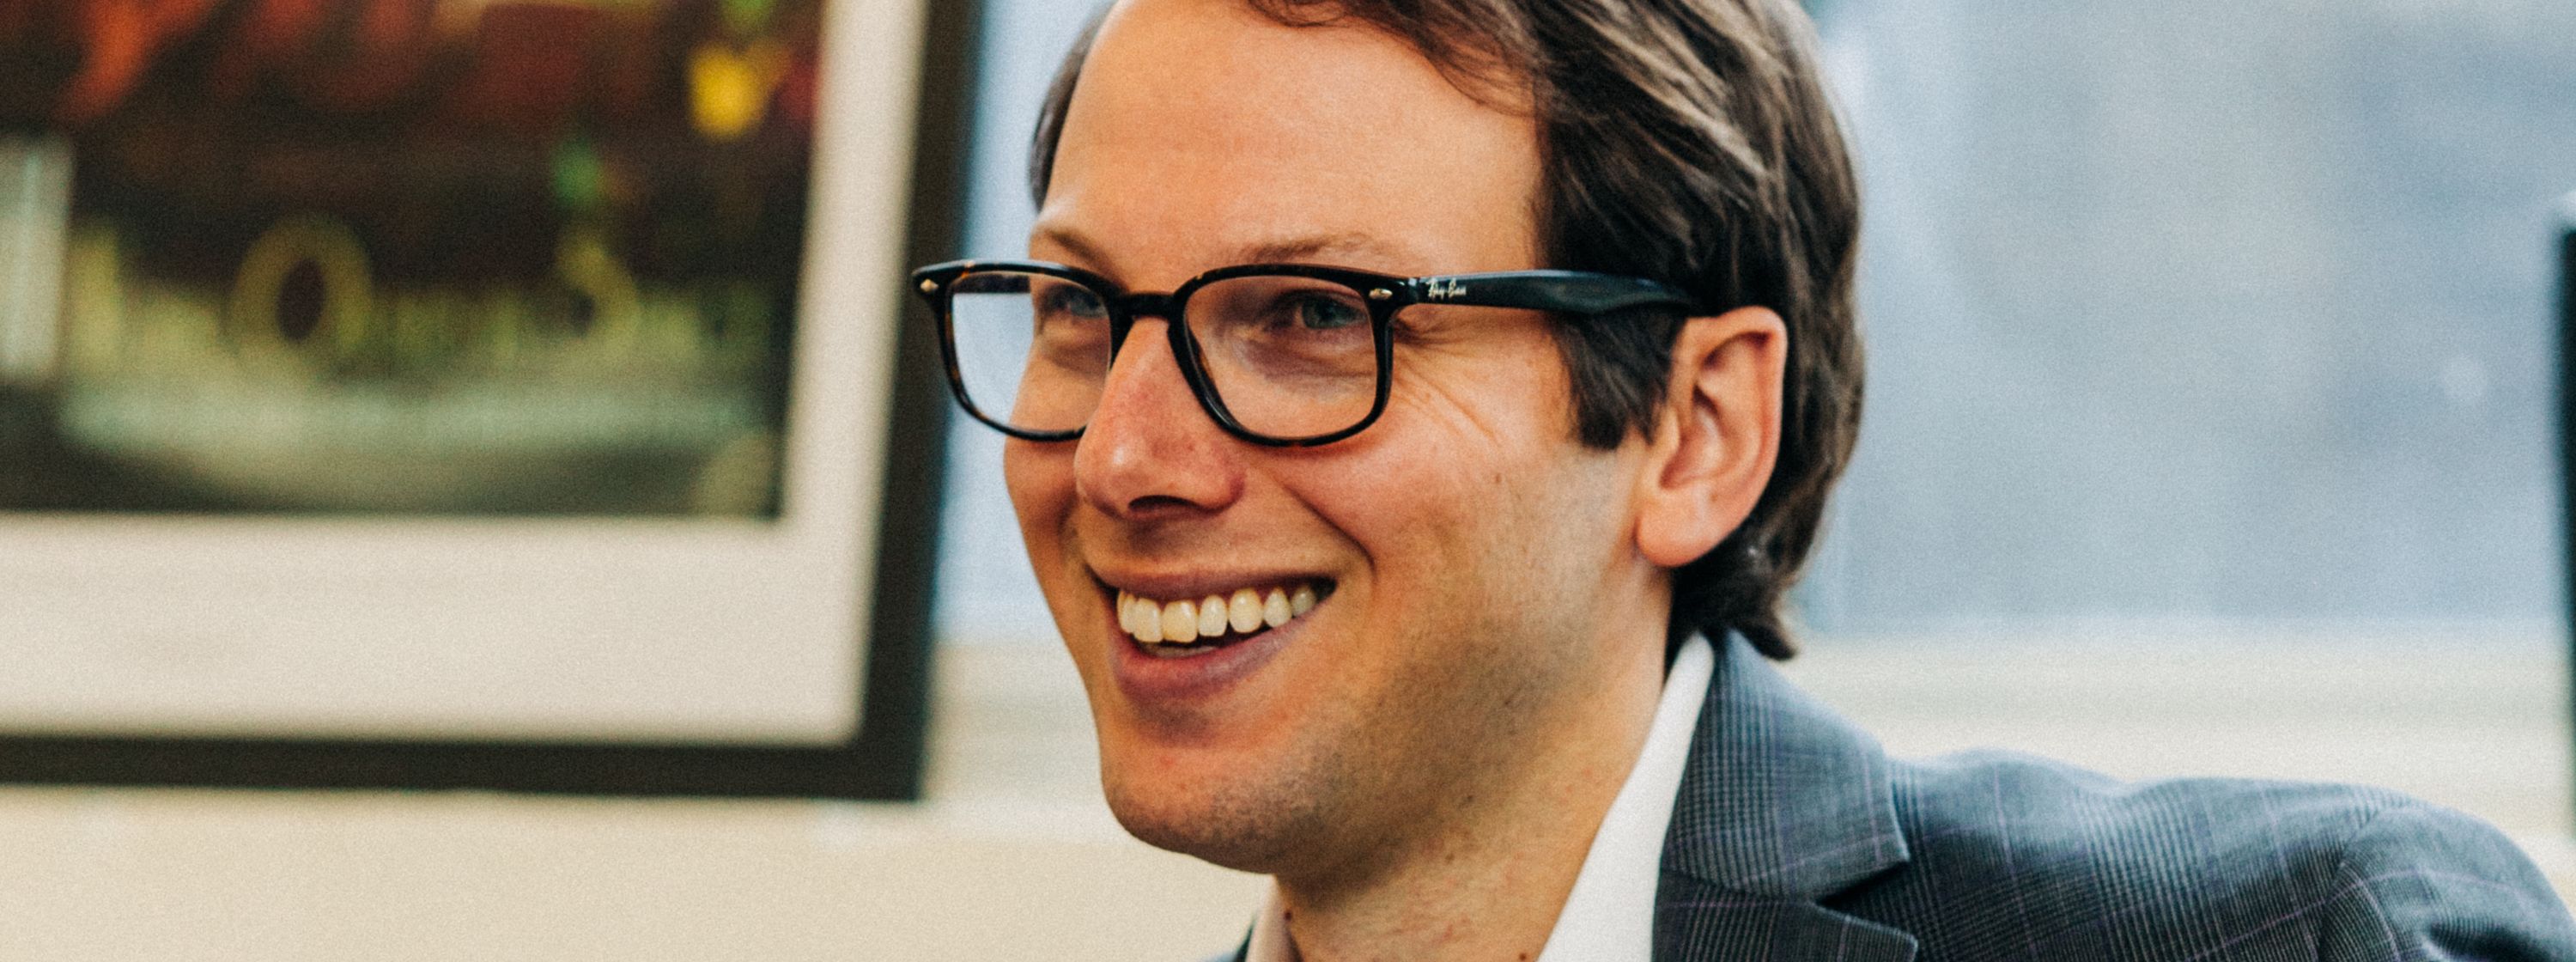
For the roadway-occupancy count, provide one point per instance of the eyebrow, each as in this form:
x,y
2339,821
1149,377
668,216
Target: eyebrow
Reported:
x,y
1319,245
1074,241
1306,249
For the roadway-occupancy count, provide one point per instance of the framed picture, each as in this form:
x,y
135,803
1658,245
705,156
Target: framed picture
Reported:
x,y
509,394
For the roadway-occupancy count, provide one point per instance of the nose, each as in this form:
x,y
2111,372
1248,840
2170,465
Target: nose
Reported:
x,y
1151,452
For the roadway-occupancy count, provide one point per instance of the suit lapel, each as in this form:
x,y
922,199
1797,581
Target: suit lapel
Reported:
x,y
1782,804
1699,922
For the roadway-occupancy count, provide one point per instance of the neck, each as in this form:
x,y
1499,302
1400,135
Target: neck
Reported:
x,y
1488,873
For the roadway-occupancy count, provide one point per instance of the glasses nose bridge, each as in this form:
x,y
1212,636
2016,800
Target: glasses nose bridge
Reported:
x,y
1126,309
1146,304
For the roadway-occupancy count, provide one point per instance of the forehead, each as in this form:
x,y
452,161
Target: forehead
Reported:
x,y
1203,133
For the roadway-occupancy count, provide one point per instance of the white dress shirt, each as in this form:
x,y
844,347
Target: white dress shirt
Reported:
x,y
1610,915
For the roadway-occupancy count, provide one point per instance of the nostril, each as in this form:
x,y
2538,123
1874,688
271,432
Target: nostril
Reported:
x,y
1153,503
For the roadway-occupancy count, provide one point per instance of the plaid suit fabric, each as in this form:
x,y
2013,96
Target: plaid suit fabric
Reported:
x,y
1795,837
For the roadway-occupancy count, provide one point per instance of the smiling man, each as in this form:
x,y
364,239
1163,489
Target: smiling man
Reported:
x,y
1418,410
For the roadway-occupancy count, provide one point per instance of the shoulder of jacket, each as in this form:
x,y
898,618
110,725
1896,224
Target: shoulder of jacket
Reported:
x,y
2055,812
2041,853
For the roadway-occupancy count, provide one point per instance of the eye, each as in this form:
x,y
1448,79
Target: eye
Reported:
x,y
1064,299
1318,312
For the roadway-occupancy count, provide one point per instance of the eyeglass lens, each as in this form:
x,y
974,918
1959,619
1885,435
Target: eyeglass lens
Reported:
x,y
1289,357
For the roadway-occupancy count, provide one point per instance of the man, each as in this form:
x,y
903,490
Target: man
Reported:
x,y
1418,410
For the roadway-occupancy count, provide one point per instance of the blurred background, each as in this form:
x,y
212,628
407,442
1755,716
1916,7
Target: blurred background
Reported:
x,y
514,258
2211,431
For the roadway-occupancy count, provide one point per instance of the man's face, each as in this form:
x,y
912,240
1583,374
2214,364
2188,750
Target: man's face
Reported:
x,y
1473,561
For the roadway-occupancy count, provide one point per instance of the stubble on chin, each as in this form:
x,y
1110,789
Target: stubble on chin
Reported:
x,y
1362,782
1250,821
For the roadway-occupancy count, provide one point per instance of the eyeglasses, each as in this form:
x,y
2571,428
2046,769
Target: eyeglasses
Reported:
x,y
1286,355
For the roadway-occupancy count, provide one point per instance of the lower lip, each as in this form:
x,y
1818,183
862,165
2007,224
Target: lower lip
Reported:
x,y
1150,679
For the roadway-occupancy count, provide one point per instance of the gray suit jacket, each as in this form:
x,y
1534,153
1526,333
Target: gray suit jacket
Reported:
x,y
1795,837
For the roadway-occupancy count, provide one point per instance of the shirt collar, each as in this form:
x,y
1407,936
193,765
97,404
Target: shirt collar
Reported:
x,y
1610,914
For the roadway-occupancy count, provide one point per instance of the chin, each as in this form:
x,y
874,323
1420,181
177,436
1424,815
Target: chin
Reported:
x,y
1246,824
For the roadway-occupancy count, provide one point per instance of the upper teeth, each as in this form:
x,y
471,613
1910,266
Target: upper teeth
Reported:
x,y
1245,611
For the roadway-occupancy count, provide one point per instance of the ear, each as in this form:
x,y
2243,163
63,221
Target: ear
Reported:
x,y
1717,436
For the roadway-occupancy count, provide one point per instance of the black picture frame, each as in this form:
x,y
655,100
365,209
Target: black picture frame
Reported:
x,y
2565,240
883,761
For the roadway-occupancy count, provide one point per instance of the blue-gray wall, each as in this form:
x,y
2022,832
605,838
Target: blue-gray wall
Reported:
x,y
2192,310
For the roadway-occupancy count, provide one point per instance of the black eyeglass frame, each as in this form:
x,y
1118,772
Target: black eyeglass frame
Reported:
x,y
1579,293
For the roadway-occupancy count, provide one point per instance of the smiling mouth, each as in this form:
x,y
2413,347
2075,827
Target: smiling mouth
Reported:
x,y
1195,626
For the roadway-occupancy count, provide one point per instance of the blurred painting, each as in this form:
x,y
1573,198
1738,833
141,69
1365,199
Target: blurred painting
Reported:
x,y
406,257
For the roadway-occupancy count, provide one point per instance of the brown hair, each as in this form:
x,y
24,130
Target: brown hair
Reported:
x,y
1688,141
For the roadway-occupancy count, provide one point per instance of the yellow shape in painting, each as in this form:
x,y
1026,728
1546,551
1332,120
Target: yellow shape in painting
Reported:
x,y
729,90
347,310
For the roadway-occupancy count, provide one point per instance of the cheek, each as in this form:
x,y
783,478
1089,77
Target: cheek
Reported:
x,y
1475,498
1473,511
1040,479
1468,441
1504,396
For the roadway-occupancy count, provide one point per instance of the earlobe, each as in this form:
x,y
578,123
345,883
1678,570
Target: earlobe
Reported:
x,y
1717,436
